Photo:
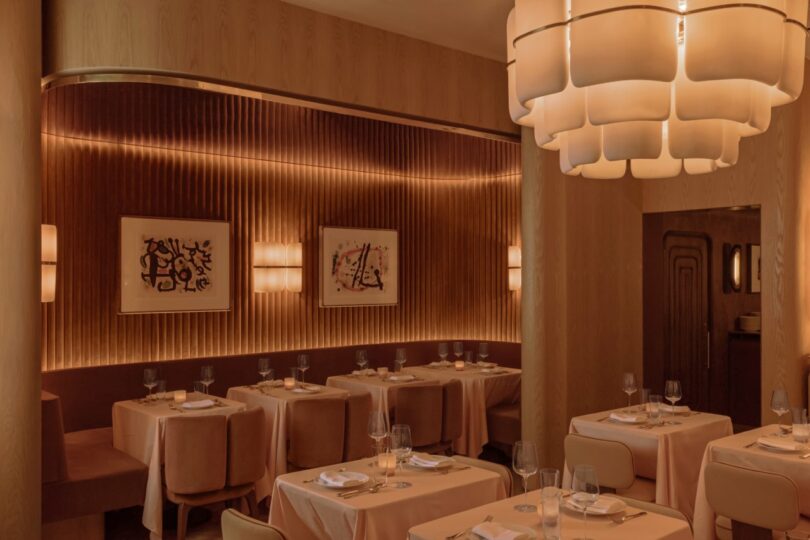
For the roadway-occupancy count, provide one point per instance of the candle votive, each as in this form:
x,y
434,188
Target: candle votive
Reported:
x,y
180,396
459,365
382,371
289,383
387,462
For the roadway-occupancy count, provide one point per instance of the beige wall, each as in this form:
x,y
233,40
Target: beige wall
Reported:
x,y
19,270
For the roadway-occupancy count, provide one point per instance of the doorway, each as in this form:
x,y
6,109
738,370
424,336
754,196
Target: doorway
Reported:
x,y
701,308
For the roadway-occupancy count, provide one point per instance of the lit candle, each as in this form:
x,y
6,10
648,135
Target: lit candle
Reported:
x,y
179,396
382,371
387,462
459,365
289,383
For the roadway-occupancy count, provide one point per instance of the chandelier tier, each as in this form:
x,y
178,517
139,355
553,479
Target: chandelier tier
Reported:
x,y
667,85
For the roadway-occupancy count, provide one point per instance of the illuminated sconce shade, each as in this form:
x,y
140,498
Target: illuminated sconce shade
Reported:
x,y
277,267
48,260
667,85
514,262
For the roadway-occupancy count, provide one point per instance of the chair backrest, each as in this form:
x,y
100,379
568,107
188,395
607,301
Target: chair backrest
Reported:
x,y
247,447
613,461
54,460
357,444
452,409
196,453
421,408
761,499
237,526
315,432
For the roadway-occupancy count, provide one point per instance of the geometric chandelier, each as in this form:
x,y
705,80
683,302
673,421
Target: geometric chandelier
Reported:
x,y
665,85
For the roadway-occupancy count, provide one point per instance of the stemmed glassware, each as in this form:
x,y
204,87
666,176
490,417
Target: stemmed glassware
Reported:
x,y
458,349
586,489
150,379
483,351
444,350
401,358
377,428
629,386
780,404
264,368
672,393
401,447
524,463
303,366
361,358
207,376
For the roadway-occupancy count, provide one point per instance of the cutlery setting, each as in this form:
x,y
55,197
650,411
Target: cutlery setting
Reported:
x,y
618,520
374,488
466,531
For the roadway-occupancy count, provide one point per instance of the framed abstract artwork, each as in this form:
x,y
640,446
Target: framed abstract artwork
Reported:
x,y
359,267
174,265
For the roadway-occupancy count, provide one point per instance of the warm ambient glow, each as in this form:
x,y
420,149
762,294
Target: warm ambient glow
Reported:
x,y
277,267
666,84
48,266
514,258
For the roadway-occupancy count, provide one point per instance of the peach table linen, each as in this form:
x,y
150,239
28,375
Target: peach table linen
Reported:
x,y
383,392
649,527
138,430
481,391
274,401
732,451
307,511
670,455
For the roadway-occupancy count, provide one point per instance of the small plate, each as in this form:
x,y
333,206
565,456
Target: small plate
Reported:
x,y
530,533
642,419
307,390
359,480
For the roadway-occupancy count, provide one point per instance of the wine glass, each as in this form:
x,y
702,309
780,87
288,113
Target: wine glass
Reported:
x,y
303,366
672,393
444,350
524,463
483,351
458,349
468,357
361,359
401,446
150,379
207,376
586,489
629,386
401,358
377,428
264,367
780,404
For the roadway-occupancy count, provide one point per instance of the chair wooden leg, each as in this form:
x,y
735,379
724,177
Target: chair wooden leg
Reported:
x,y
182,520
252,504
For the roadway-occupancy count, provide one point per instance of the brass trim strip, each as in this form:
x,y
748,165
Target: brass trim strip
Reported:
x,y
182,80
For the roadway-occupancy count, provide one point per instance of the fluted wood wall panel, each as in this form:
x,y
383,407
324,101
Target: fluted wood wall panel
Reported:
x,y
277,173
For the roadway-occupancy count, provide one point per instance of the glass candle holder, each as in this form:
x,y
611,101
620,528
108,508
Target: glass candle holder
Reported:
x,y
387,461
180,396
382,371
289,383
459,365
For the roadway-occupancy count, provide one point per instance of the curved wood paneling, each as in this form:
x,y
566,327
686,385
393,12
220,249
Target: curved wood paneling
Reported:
x,y
277,173
282,49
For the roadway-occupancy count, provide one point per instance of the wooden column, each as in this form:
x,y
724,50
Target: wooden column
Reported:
x,y
20,38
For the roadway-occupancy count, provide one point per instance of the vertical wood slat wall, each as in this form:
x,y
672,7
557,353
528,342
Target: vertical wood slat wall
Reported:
x,y
277,173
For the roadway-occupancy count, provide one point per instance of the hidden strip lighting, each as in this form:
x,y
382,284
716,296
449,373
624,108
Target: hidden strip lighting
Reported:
x,y
665,84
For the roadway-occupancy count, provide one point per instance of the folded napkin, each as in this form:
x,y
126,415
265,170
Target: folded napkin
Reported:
x,y
427,460
630,418
602,507
786,445
337,479
675,409
272,384
401,378
495,531
364,372
486,364
201,404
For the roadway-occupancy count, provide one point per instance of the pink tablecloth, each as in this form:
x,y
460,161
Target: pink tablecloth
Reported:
x,y
732,451
383,392
670,455
306,511
138,430
481,391
649,527
274,401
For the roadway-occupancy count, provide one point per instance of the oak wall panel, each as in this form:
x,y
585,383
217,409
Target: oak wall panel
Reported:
x,y
277,173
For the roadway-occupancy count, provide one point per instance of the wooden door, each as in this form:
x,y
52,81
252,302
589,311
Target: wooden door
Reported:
x,y
687,315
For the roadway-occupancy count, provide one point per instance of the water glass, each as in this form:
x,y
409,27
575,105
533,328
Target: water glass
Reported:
x,y
645,396
150,378
160,389
468,357
400,359
198,386
361,359
801,431
524,463
586,488
444,350
207,376
654,409
483,351
401,446
550,498
264,368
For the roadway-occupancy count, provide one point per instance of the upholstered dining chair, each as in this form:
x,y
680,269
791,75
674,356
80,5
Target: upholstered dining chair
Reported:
x,y
613,462
755,502
420,407
452,413
237,526
357,444
247,453
315,432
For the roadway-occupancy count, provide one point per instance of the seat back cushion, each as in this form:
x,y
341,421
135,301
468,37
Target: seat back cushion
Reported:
x,y
195,453
453,409
54,463
357,444
612,460
237,526
247,447
420,407
315,432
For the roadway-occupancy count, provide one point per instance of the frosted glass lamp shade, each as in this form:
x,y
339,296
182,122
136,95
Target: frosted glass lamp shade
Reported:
x,y
48,291
48,233
48,242
267,280
269,254
515,280
277,267
514,257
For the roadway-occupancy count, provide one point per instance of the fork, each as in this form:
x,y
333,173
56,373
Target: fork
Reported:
x,y
618,520
467,530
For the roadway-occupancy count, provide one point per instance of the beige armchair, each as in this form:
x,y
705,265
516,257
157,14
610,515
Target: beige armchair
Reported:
x,y
315,432
357,443
420,407
236,526
452,413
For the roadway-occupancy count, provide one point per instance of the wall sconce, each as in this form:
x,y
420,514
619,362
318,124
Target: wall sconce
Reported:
x,y
48,260
732,268
514,262
277,267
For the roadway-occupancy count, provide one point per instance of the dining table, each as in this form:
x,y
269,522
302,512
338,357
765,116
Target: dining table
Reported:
x,y
742,450
138,430
668,453
275,400
306,510
383,388
650,526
